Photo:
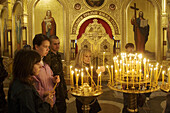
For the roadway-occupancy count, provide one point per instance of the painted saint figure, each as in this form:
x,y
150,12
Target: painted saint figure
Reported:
x,y
5,35
18,30
141,32
48,25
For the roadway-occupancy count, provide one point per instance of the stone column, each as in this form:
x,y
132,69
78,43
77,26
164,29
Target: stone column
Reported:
x,y
165,26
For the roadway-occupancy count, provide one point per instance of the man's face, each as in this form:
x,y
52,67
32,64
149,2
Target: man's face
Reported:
x,y
130,50
55,45
43,48
140,14
48,13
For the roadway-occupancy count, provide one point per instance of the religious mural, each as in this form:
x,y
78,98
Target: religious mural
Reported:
x,y
95,3
48,25
18,30
141,32
5,36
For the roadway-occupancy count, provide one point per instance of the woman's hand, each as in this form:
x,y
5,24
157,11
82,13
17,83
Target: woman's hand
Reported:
x,y
100,69
56,79
49,99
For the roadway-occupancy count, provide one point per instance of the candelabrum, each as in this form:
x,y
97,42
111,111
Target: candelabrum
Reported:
x,y
165,86
130,73
83,86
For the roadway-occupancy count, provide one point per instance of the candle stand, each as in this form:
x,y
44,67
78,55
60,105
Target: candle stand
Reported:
x,y
84,88
165,86
133,75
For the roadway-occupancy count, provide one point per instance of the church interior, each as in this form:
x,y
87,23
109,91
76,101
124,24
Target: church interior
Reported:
x,y
102,26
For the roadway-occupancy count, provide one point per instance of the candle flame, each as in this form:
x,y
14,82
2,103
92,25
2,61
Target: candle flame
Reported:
x,y
91,67
87,68
107,66
72,72
111,66
71,67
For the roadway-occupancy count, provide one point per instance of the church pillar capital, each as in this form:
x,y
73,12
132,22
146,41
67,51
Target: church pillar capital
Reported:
x,y
164,20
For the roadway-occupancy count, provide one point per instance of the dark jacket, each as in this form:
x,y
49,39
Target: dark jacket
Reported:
x,y
54,61
3,75
23,98
167,109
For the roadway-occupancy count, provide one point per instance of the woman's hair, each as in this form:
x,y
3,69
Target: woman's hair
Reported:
x,y
38,39
80,55
23,64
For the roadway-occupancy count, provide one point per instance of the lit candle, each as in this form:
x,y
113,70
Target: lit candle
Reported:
x,y
91,74
151,79
112,74
168,76
133,77
144,62
140,71
127,79
100,80
77,81
116,77
98,85
163,77
103,57
72,79
70,76
159,73
82,77
109,73
126,64
76,77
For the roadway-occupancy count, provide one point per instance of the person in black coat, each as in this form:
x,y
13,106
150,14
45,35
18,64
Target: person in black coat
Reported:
x,y
3,75
22,96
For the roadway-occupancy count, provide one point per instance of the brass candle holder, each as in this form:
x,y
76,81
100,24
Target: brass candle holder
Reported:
x,y
85,89
130,73
165,86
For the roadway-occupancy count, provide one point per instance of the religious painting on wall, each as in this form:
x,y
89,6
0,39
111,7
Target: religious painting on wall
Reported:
x,y
95,3
141,26
48,25
5,38
18,30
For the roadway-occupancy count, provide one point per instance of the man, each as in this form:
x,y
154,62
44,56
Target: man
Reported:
x,y
54,60
141,32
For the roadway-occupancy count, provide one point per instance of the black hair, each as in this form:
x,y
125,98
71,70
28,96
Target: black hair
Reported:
x,y
53,37
38,39
23,64
27,47
129,45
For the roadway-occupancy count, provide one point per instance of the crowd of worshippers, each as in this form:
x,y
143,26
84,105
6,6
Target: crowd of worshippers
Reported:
x,y
38,84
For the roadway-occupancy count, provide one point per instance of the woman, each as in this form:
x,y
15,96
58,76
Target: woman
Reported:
x,y
3,75
83,60
44,81
22,96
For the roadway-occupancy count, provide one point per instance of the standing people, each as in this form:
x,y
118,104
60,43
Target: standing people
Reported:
x,y
83,60
44,82
48,25
3,75
141,32
54,60
22,95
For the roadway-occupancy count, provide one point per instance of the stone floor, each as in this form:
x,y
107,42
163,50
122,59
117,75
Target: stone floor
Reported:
x,y
112,102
